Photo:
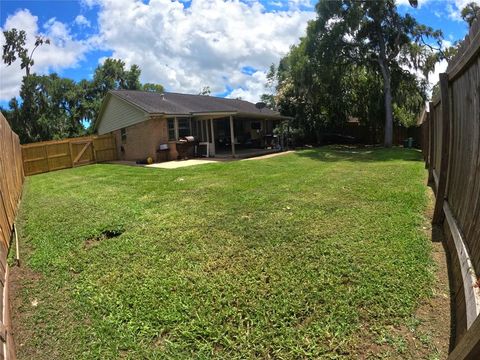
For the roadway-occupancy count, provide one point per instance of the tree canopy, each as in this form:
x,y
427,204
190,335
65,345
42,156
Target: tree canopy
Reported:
x,y
358,59
470,13
52,107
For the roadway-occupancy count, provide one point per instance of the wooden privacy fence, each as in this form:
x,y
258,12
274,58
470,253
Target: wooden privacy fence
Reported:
x,y
11,181
61,154
451,148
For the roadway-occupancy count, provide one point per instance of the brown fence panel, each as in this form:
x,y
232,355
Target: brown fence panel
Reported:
x,y
453,156
437,147
62,154
11,182
105,148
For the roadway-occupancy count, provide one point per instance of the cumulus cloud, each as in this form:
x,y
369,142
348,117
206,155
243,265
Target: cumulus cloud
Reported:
x,y
252,87
63,52
81,20
204,44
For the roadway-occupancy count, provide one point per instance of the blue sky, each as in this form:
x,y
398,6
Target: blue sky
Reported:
x,y
185,45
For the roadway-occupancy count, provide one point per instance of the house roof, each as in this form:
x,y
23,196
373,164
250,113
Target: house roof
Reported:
x,y
170,103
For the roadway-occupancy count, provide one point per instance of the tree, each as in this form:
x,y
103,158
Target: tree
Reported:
x,y
470,13
269,98
372,34
51,108
205,91
111,75
157,88
15,48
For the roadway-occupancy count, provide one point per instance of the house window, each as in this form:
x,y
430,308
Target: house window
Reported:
x,y
183,127
171,129
123,135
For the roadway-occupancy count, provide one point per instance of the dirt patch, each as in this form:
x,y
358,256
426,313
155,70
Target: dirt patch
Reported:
x,y
22,306
104,235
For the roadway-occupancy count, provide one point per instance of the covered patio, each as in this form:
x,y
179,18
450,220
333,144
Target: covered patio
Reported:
x,y
236,136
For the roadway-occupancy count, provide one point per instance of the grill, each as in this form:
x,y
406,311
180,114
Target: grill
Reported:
x,y
185,146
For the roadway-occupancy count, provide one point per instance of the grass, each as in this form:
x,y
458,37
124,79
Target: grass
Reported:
x,y
316,254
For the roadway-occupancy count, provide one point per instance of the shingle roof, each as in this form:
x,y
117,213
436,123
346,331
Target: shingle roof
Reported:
x,y
182,104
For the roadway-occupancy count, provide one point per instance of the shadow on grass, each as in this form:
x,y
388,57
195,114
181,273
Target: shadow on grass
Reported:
x,y
334,153
438,237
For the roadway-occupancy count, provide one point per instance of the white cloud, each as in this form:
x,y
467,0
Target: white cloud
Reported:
x,y
181,46
205,44
434,77
252,87
81,20
63,52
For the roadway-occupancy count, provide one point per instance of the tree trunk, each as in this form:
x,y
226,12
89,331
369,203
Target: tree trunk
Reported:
x,y
387,90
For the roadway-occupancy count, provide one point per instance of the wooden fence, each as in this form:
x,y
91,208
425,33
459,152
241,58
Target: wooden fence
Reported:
x,y
11,181
61,154
451,148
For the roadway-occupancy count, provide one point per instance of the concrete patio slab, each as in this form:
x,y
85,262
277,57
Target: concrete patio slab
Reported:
x,y
175,164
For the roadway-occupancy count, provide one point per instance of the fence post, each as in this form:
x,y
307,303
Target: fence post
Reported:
x,y
469,346
438,215
431,138
426,138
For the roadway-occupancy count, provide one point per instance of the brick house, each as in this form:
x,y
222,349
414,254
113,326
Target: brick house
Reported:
x,y
145,122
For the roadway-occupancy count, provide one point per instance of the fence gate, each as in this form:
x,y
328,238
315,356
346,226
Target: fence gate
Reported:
x,y
62,154
82,152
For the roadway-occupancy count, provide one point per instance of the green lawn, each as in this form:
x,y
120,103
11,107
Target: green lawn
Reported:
x,y
316,254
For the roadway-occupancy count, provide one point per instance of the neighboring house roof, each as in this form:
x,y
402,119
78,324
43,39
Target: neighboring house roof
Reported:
x,y
175,104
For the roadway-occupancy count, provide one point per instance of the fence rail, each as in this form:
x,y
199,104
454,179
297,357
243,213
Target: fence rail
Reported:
x,y
11,181
451,148
62,154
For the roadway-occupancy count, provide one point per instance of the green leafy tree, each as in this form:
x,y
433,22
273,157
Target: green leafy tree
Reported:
x,y
373,33
150,87
205,91
111,75
269,98
470,13
52,107
15,48
350,63
49,109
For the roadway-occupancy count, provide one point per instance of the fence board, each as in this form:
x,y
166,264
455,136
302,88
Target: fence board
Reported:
x,y
453,153
11,181
53,155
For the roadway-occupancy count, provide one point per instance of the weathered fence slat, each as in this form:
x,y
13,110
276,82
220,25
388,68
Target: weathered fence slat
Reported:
x,y
445,150
469,347
453,158
11,181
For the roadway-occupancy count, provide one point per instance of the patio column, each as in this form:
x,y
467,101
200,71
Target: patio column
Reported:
x,y
213,137
208,137
175,125
232,136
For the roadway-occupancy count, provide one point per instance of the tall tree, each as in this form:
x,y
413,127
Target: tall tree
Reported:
x,y
374,34
15,47
111,75
470,13
150,87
